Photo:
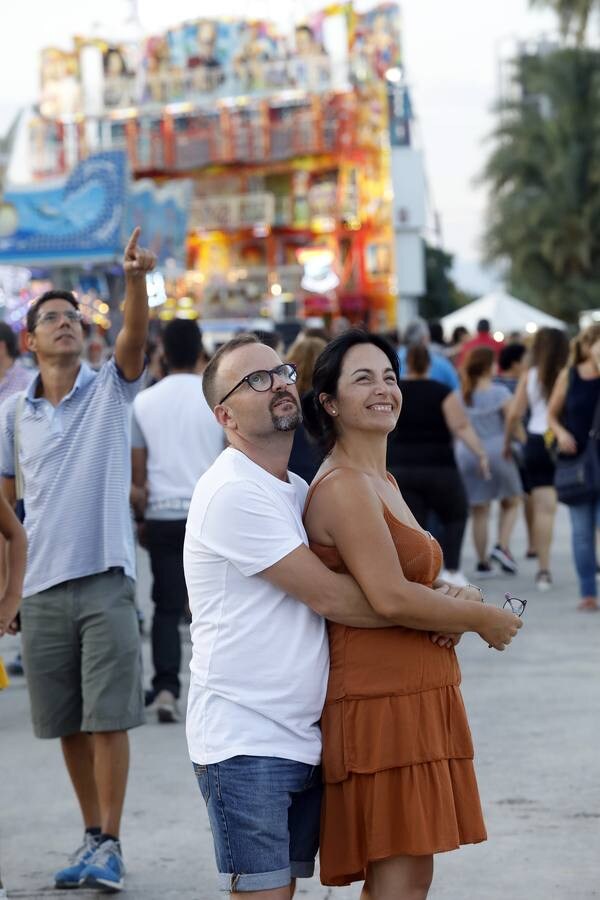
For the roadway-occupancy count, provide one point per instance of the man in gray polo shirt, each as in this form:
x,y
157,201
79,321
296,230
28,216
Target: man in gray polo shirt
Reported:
x,y
80,634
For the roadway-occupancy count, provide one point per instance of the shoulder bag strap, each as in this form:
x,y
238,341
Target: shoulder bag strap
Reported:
x,y
17,445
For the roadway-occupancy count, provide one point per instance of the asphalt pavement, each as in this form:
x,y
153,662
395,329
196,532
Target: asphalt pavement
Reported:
x,y
534,712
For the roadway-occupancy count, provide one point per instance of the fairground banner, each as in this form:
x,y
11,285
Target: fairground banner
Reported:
x,y
78,219
162,212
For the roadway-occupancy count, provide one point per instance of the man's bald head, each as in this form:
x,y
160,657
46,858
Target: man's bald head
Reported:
x,y
210,377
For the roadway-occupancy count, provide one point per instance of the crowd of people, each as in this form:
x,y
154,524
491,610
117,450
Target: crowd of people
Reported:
x,y
530,403
355,739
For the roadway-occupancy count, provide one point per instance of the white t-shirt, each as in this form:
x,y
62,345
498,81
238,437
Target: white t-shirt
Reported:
x,y
260,658
175,424
538,405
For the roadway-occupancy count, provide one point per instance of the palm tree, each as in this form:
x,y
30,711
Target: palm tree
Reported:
x,y
573,16
544,181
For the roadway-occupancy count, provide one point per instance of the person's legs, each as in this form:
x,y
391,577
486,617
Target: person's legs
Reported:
x,y
264,818
169,594
111,689
78,752
509,509
98,765
481,515
583,535
528,513
448,500
111,767
399,878
544,511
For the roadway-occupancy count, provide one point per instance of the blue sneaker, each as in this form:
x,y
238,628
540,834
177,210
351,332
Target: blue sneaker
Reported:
x,y
70,877
106,868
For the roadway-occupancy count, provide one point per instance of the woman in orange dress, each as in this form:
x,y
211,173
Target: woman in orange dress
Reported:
x,y
397,750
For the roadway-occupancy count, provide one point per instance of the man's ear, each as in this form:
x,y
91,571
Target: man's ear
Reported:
x,y
31,341
224,418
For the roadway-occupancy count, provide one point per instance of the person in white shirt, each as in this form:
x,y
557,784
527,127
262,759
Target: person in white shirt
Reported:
x,y
259,656
175,439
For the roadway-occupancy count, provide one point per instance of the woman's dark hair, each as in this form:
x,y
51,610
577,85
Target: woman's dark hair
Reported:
x,y
458,334
549,355
418,359
9,339
509,355
436,332
318,423
478,363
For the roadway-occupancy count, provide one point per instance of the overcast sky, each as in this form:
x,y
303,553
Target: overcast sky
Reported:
x,y
451,51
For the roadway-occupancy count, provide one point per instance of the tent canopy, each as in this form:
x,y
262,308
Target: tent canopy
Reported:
x,y
505,313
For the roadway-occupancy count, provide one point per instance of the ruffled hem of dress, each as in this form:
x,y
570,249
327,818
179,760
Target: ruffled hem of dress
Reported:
x,y
410,811
374,734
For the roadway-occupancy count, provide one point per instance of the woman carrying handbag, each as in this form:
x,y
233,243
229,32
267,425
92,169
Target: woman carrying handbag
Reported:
x,y
574,417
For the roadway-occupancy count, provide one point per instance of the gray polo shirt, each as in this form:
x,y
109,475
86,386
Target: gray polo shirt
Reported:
x,y
76,465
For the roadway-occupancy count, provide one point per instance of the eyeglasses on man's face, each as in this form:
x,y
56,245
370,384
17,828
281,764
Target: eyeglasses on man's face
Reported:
x,y
515,605
262,379
52,317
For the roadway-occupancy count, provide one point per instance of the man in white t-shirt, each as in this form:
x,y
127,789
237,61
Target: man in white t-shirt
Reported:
x,y
175,439
260,656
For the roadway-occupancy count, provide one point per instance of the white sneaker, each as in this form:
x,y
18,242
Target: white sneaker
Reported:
x,y
166,707
456,578
543,580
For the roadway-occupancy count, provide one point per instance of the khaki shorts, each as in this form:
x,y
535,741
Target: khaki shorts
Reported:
x,y
82,656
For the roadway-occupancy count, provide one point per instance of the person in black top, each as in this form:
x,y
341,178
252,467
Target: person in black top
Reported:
x,y
571,412
421,456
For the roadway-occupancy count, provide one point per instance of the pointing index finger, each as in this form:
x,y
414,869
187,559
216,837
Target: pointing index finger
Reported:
x,y
132,244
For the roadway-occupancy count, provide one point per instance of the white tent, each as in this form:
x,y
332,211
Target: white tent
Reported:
x,y
504,313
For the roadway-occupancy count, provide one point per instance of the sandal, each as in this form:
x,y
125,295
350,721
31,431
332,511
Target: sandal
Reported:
x,y
589,603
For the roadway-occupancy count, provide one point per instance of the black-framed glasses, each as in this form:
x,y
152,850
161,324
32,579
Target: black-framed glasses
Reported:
x,y
515,605
262,379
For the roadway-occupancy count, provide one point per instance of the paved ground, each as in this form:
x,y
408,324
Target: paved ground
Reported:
x,y
535,715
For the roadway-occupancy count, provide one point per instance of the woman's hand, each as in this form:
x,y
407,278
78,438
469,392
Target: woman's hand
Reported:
x,y
9,607
500,627
484,467
470,592
566,442
446,640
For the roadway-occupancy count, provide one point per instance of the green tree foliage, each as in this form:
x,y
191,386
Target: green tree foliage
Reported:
x,y
544,181
573,16
442,295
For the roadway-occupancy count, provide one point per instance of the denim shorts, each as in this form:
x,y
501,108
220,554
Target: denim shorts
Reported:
x,y
264,815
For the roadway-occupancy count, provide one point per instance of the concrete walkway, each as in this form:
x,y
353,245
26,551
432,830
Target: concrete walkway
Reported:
x,y
535,716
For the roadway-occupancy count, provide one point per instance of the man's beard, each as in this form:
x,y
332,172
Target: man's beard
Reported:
x,y
287,422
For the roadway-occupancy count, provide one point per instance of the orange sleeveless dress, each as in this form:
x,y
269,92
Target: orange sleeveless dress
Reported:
x,y
397,750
